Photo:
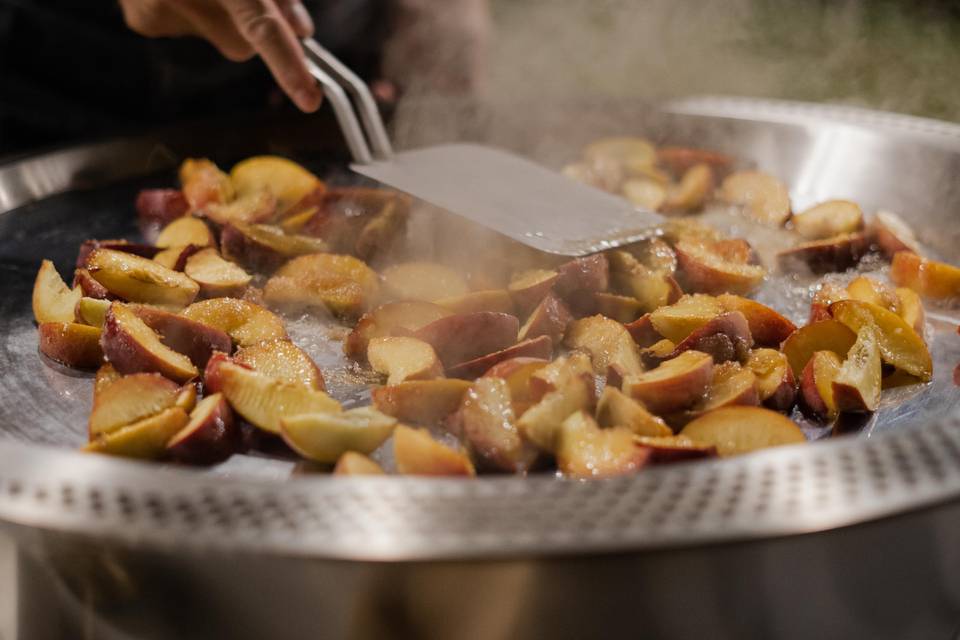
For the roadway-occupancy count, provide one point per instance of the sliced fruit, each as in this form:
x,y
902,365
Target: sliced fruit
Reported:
x,y
635,156
931,279
89,287
643,332
124,246
828,219
265,248
529,288
615,409
264,401
72,344
211,373
899,344
465,336
823,256
816,385
776,384
825,295
53,300
129,399
644,193
282,360
184,231
218,278
692,191
541,423
196,340
539,348
210,436
763,197
550,318
911,309
175,258
654,355
133,347
688,314
856,386
496,300
608,343
670,449
892,234
711,268
106,375
406,317
675,385
486,423
204,184
556,374
146,439
286,180
868,289
403,358
651,289
768,327
678,159
427,281
825,335
688,229
250,208
384,229
426,402
738,430
517,372
585,450
417,453
731,385
725,338
156,208
587,275
352,463
91,311
137,279
341,284
324,437
623,309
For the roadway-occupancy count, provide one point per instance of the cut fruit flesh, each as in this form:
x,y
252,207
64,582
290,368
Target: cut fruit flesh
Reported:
x,y
857,385
541,423
71,344
425,281
133,347
53,300
352,463
679,320
587,451
137,279
386,319
426,402
768,327
465,336
487,424
825,335
210,436
764,197
706,269
692,191
738,430
776,384
91,311
823,256
281,359
615,409
324,437
217,277
184,231
203,183
875,292
931,279
816,384
265,248
675,385
146,439
828,219
417,453
341,284
529,288
402,358
196,340
608,343
129,399
245,322
286,180
517,373
496,300
550,318
725,338
892,234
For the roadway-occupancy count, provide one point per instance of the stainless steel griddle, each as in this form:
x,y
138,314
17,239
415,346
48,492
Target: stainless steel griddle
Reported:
x,y
850,537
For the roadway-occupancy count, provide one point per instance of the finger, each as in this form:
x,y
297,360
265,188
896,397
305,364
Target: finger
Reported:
x,y
154,19
211,21
297,17
263,26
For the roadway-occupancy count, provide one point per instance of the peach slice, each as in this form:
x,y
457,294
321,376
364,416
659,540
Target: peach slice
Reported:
x,y
89,287
674,448
129,399
654,355
608,343
856,386
767,327
776,384
427,281
264,401
731,385
623,309
826,294
931,279
53,300
341,284
710,268
486,423
204,184
825,335
828,219
251,208
651,289
133,347
644,193
282,360
738,430
157,208
585,450
105,376
823,256
184,231
426,402
286,180
405,317
196,340
899,344
556,374
911,309
417,453
675,385
324,437
582,276
218,278
74,345
264,247
635,156
892,234
89,246
210,436
725,338
517,373
678,160
816,385
175,258
138,279
875,292
541,423
654,254
550,318
496,300
211,373
690,194
352,463
763,197
146,439
682,318
465,336
643,332
529,288
538,348
614,409
402,359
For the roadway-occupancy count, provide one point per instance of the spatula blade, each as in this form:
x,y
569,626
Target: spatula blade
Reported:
x,y
516,197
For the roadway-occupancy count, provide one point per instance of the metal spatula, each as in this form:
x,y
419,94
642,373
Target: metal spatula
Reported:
x,y
499,190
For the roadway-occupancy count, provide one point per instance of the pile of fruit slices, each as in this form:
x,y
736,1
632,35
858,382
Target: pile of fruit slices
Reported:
x,y
597,366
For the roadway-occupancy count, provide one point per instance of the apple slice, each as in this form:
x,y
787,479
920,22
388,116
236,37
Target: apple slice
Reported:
x,y
776,384
286,180
892,234
427,281
828,219
875,292
550,318
816,385
184,231
608,343
250,208
130,399
417,453
677,160
282,360
245,322
264,401
465,336
426,402
146,439
615,409
486,423
823,256
133,347
655,355
538,348
767,327
203,183
402,359
911,309
218,278
210,436
53,300
138,279
341,284
725,338
529,288
585,450
899,344
156,208
265,248
196,340
324,437
517,373
91,311
582,276
623,309
672,448
931,279
644,193
541,423
738,430
675,385
856,386
352,463
825,335
405,317
495,300
74,345
556,374
762,196
688,314
712,268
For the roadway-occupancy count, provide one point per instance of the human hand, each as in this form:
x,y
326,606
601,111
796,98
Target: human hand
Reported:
x,y
239,29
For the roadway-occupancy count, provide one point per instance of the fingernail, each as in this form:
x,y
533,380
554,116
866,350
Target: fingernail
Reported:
x,y
308,99
302,22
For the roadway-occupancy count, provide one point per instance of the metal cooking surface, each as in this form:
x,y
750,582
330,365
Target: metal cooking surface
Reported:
x,y
907,456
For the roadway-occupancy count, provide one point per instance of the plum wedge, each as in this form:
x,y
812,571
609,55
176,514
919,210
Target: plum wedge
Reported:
x,y
245,322
762,196
615,409
128,399
609,345
417,453
53,300
675,385
133,347
263,247
402,358
352,463
486,422
465,336
146,439
218,278
281,359
324,437
426,402
210,436
738,430
387,319
587,451
340,284
426,281
899,344
71,344
137,279
929,278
